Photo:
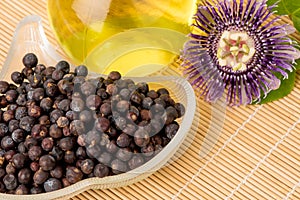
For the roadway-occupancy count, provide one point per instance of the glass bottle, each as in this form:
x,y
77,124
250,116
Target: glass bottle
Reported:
x,y
135,37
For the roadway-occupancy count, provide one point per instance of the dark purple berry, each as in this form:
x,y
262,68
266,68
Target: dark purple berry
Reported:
x,y
40,176
73,174
101,170
30,60
19,160
10,181
24,176
47,162
87,166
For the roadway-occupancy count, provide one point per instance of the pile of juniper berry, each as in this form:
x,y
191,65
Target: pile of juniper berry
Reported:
x,y
58,127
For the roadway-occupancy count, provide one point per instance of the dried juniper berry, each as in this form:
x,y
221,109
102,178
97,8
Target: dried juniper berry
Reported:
x,y
55,114
105,158
65,86
20,112
21,147
123,140
101,170
2,172
19,160
57,75
57,172
77,127
160,101
21,90
122,106
81,70
101,92
55,131
3,102
136,161
22,190
141,137
3,129
51,89
47,144
4,85
24,176
118,166
35,80
39,131
66,143
40,176
46,104
34,166
64,105
93,102
73,174
136,98
30,60
71,115
69,157
64,66
112,147
120,122
27,72
87,166
36,190
10,181
18,135
114,75
30,141
80,153
102,124
17,77
26,123
171,130
93,150
35,152
7,143
180,109
86,116
124,154
57,153
39,68
62,122
142,87
47,162
69,76
105,109
10,169
44,120
47,73
87,88
148,150
77,104
11,96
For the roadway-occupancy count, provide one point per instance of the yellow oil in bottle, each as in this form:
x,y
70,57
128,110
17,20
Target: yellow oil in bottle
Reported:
x,y
135,37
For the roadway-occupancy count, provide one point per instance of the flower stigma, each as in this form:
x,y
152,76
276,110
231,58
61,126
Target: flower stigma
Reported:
x,y
235,50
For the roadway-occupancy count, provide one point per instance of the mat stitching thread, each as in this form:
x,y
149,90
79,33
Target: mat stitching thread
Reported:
x,y
292,191
217,153
244,181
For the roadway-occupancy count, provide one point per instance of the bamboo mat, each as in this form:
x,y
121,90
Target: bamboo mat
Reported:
x,y
256,154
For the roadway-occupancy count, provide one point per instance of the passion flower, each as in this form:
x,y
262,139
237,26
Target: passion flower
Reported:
x,y
236,49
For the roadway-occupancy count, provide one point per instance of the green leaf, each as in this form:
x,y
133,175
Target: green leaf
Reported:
x,y
297,65
288,7
296,21
285,88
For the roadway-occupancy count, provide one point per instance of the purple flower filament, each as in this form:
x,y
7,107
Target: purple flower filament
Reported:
x,y
236,48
